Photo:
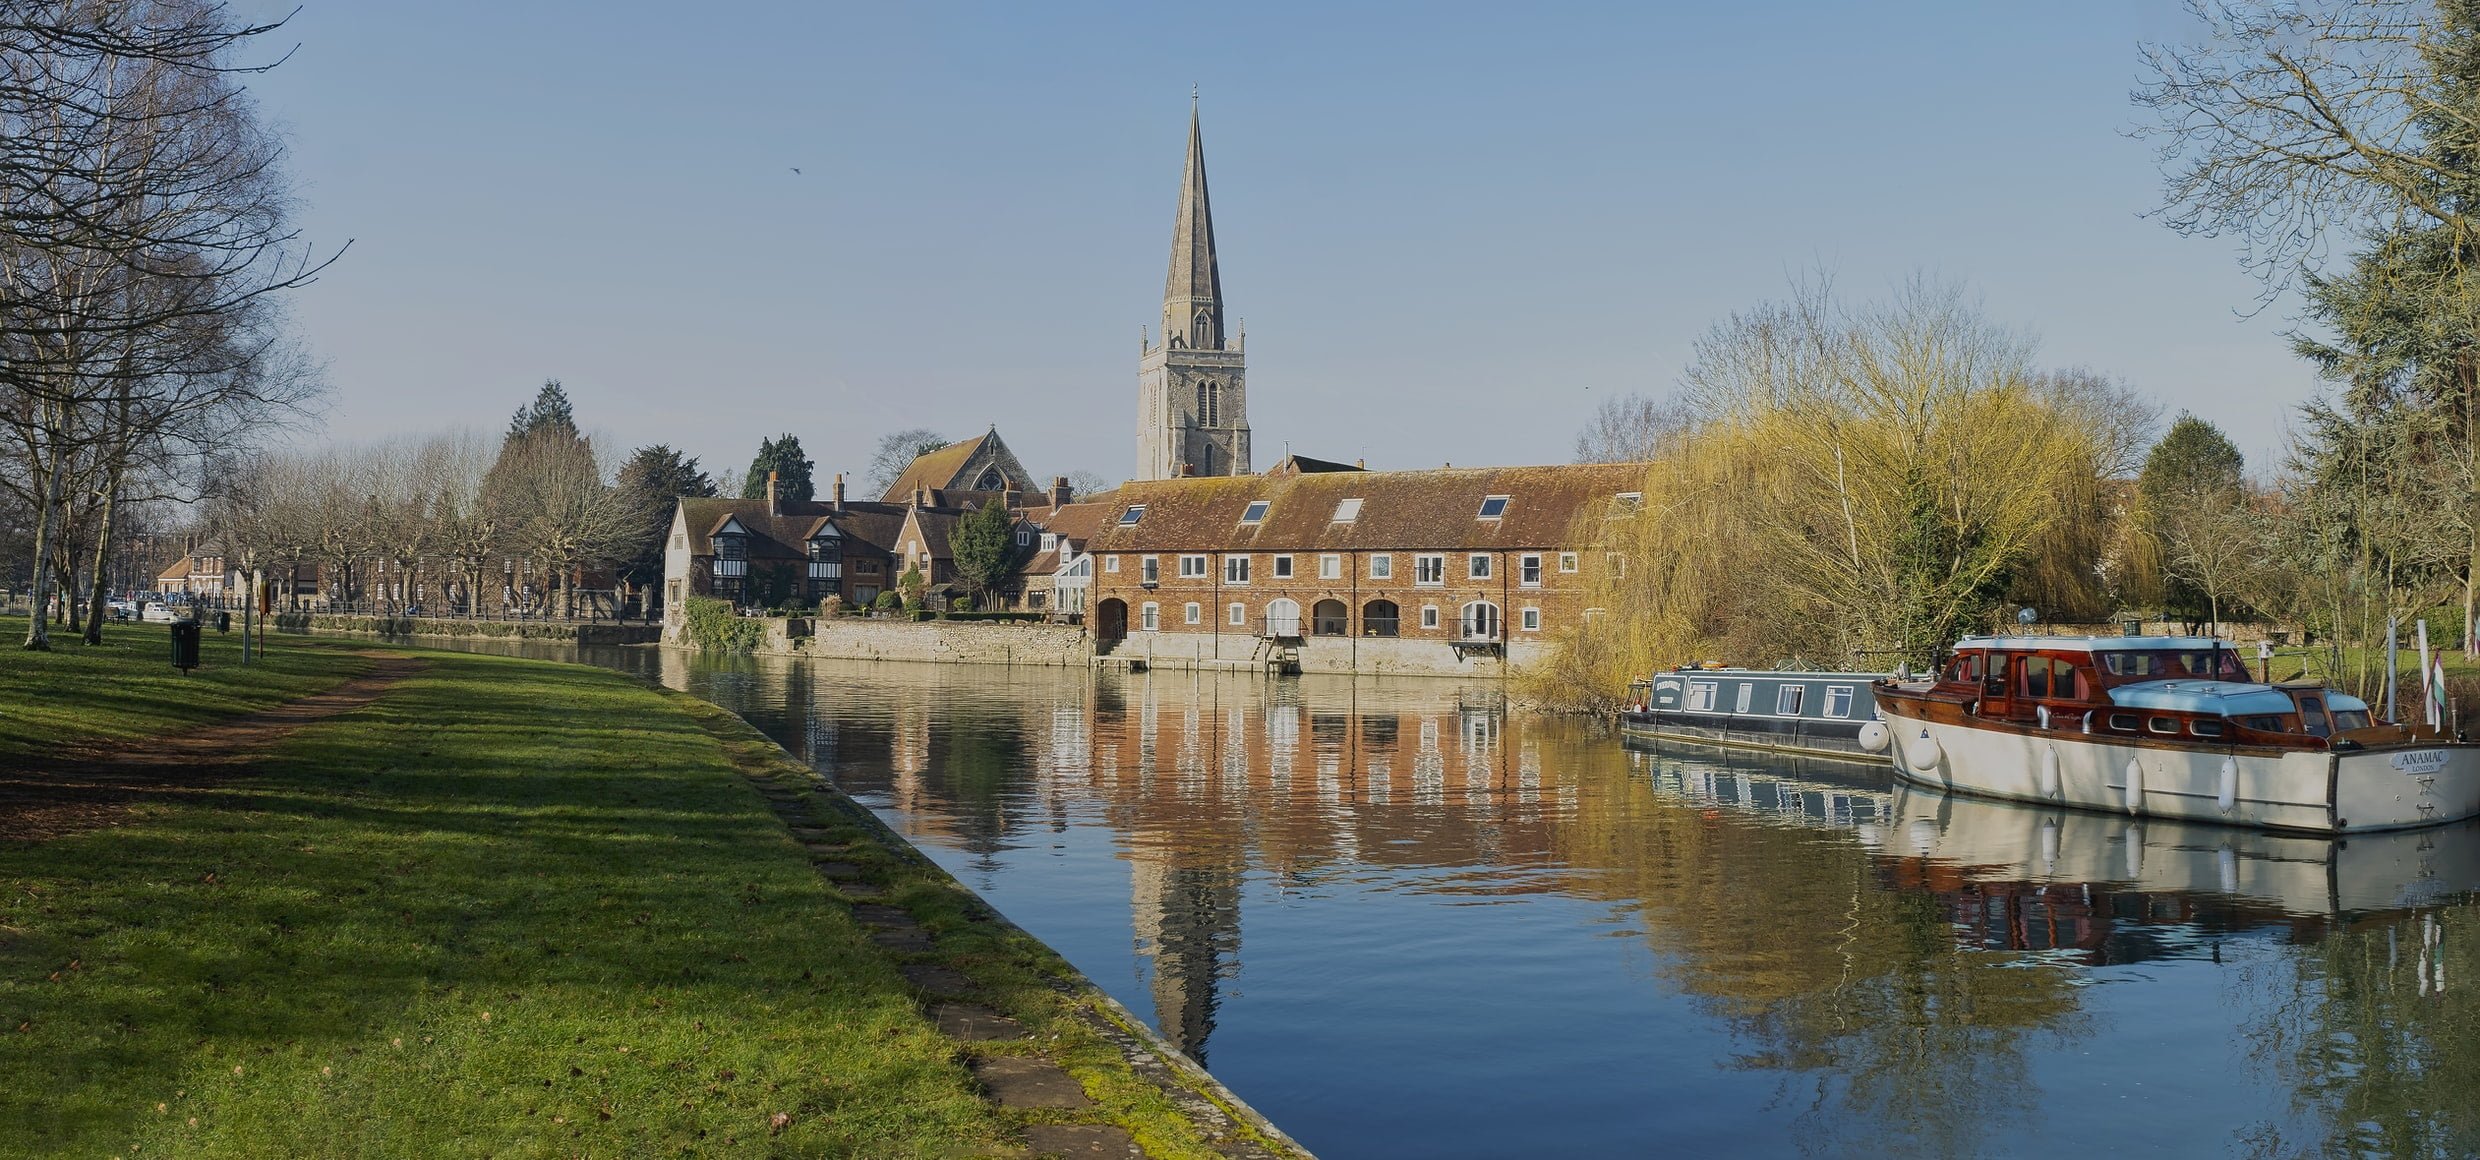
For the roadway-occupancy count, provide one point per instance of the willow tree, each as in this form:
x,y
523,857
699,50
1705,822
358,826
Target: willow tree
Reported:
x,y
1863,486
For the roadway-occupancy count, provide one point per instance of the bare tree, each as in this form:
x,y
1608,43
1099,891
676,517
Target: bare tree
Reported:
x,y
552,499
896,451
1631,429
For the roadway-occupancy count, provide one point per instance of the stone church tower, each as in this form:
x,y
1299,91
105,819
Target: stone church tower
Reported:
x,y
1192,406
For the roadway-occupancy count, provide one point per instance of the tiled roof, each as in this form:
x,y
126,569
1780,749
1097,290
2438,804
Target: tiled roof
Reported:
x,y
1077,521
786,537
178,571
935,469
1399,510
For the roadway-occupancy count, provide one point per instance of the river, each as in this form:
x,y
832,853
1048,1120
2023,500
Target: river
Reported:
x,y
1402,921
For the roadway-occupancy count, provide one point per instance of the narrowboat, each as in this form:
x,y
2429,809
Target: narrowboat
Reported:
x,y
2170,727
1818,714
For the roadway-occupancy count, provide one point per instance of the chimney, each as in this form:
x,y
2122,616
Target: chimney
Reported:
x,y
921,496
1061,493
1187,470
839,491
1363,464
774,503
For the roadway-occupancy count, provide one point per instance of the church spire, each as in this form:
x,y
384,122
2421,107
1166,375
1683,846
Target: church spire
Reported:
x,y
1193,295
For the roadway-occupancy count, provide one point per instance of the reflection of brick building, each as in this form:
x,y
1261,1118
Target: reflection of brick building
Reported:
x,y
1349,570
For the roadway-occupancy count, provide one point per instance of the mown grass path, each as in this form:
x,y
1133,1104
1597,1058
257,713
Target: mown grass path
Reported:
x,y
495,907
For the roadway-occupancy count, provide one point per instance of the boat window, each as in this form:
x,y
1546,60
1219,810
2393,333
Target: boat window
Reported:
x,y
1995,682
2126,721
2204,728
1747,692
2268,723
2312,714
1788,701
2163,724
1701,696
1838,700
2036,676
2347,719
1965,668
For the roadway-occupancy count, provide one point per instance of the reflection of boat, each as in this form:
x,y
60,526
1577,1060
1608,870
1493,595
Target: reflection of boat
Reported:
x,y
2167,727
1820,714
2297,874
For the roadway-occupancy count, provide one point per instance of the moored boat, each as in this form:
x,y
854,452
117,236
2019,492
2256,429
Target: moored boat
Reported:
x,y
1820,714
2167,727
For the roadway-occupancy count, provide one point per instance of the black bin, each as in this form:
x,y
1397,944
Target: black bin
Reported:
x,y
223,622
185,645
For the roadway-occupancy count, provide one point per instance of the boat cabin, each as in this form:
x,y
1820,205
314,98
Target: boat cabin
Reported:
x,y
2192,688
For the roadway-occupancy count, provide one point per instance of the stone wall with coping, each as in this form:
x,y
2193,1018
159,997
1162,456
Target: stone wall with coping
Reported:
x,y
938,641
1369,656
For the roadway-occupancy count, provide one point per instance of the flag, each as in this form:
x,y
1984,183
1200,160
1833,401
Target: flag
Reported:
x,y
2430,695
2437,694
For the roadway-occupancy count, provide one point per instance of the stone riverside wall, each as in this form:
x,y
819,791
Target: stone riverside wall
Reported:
x,y
1368,656
452,627
961,642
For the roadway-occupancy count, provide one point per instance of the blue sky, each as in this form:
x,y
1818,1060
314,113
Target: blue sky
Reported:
x,y
1451,229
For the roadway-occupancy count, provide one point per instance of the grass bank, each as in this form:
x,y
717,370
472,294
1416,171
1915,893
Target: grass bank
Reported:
x,y
509,908
126,688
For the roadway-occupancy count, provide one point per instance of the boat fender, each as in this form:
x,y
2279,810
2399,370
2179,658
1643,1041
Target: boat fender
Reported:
x,y
2135,786
2230,785
1874,736
1923,750
2049,773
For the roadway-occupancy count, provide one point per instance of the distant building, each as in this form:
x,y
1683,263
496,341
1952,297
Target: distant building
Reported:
x,y
1192,390
980,464
1350,570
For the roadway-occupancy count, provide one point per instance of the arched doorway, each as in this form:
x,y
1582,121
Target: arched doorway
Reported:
x,y
1283,617
1480,621
1110,624
1330,618
1378,618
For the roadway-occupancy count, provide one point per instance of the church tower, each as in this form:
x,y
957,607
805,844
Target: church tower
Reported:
x,y
1192,406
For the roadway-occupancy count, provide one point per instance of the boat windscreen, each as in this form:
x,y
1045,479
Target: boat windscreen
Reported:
x,y
2157,664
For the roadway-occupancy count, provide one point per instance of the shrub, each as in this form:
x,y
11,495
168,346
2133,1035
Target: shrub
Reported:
x,y
888,601
960,604
712,625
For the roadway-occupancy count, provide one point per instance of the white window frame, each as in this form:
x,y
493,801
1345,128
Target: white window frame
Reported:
x,y
1135,512
1429,616
1330,567
1528,570
1193,613
1050,541
1839,701
1486,514
1150,570
1790,699
1382,566
1477,566
1194,567
1282,567
1747,695
1435,566
1531,618
1237,615
1255,513
1236,569
1568,562
1149,616
1110,564
1700,698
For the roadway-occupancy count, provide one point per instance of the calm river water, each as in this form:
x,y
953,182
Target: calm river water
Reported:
x,y
1403,922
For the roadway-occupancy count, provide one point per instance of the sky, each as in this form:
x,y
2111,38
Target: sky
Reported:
x,y
1450,229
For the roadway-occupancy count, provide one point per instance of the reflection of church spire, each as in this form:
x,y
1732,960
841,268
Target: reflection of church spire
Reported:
x,y
1188,921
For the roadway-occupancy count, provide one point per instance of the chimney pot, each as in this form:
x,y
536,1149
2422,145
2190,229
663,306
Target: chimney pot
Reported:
x,y
774,504
839,491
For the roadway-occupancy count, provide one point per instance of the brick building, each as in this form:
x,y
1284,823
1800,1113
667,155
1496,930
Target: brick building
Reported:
x,y
1454,570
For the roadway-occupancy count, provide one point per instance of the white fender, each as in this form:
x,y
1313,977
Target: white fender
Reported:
x,y
2230,785
1874,736
1923,752
2049,772
2135,786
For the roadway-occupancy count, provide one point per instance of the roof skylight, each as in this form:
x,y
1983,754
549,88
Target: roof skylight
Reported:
x,y
1256,512
1493,507
1135,512
1347,511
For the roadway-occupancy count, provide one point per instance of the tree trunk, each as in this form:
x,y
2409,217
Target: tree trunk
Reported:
x,y
38,626
102,580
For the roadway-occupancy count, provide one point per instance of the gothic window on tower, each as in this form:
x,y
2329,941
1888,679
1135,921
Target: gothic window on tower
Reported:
x,y
1214,405
1201,406
991,481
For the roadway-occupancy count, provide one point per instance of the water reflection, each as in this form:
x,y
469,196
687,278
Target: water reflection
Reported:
x,y
1475,933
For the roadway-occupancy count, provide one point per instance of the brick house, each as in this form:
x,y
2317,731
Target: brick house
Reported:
x,y
1455,570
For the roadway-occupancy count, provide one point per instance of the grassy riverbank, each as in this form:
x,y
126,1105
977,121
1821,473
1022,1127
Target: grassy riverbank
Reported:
x,y
507,908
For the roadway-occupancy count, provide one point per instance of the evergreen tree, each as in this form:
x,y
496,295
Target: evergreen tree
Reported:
x,y
985,545
2195,468
792,470
548,412
653,482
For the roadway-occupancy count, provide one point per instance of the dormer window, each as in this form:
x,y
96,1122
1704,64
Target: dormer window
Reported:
x,y
731,546
1256,513
1024,535
1347,511
1493,507
1135,512
1050,541
1626,503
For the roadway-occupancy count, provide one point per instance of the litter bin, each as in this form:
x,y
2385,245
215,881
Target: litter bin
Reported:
x,y
223,622
185,645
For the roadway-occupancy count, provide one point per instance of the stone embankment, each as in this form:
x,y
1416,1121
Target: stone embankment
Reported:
x,y
961,642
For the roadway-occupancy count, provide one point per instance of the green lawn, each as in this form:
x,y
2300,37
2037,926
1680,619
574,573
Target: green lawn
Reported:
x,y
511,908
127,687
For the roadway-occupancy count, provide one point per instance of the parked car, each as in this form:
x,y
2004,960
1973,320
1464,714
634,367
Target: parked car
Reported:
x,y
157,614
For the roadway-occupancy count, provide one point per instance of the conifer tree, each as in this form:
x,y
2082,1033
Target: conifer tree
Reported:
x,y
782,456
